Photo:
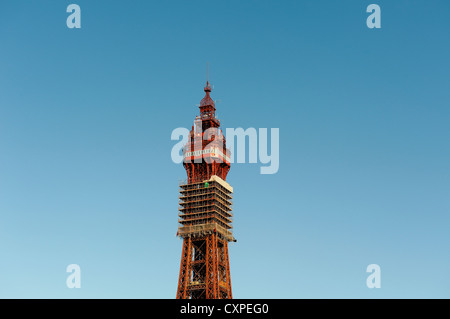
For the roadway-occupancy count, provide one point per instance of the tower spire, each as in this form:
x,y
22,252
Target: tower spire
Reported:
x,y
207,88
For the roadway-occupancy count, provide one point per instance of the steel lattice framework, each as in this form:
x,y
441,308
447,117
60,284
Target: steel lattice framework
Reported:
x,y
205,213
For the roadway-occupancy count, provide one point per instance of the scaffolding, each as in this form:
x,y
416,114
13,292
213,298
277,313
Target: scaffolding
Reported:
x,y
206,208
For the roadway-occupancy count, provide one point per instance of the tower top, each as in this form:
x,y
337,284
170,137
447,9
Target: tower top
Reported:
x,y
207,100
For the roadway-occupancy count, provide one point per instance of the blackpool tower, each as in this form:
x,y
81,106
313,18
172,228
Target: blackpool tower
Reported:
x,y
205,213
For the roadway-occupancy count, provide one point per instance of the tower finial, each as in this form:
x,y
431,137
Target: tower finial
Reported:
x,y
207,87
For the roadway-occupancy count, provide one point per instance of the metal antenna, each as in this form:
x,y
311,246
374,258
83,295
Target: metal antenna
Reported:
x,y
207,71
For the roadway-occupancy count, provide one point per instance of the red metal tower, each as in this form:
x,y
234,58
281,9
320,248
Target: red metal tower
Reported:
x,y
205,210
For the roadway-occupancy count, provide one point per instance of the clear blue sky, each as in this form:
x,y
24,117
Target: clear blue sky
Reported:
x,y
86,116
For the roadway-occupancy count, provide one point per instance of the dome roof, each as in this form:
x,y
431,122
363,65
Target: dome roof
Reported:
x,y
207,101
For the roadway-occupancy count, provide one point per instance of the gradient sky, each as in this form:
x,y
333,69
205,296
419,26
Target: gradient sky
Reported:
x,y
86,116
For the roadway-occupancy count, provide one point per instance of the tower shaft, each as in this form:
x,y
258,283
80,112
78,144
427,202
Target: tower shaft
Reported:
x,y
205,269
